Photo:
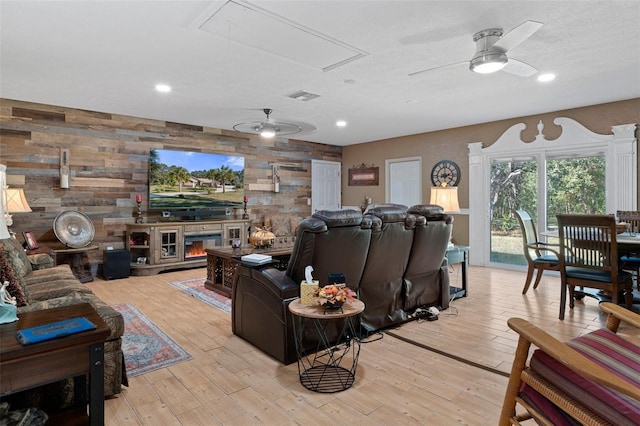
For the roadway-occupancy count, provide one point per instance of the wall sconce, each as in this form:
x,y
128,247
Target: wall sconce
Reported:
x,y
64,168
276,179
445,197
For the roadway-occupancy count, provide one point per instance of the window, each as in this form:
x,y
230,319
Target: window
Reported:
x,y
580,171
572,185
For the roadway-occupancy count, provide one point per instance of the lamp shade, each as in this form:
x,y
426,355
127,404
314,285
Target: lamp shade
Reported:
x,y
445,197
15,201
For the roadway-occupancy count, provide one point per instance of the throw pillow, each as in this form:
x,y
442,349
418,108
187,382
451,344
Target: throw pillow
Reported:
x,y
295,222
280,225
15,287
17,257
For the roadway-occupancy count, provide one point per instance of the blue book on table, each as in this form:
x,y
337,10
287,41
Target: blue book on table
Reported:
x,y
53,330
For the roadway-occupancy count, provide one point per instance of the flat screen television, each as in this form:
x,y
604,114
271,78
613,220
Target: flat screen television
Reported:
x,y
185,180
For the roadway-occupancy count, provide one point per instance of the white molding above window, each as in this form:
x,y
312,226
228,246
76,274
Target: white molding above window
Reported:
x,y
619,149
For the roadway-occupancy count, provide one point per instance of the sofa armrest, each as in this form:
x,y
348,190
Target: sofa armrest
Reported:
x,y
260,312
569,357
40,261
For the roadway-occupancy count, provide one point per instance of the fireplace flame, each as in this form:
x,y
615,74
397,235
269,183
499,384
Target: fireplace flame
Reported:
x,y
195,250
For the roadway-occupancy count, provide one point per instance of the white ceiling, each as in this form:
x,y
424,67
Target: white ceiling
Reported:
x,y
108,55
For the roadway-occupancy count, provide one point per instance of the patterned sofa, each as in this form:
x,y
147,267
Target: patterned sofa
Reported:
x,y
37,284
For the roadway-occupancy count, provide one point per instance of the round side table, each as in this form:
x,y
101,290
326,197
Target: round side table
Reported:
x,y
327,345
81,272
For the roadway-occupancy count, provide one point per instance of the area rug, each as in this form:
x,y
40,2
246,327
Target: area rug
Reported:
x,y
146,348
195,288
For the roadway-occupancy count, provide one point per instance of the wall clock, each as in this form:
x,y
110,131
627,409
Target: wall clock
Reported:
x,y
445,171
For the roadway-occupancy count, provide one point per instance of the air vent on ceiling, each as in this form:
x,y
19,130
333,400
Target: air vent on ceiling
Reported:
x,y
303,96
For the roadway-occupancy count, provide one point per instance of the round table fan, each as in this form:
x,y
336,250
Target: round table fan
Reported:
x,y
74,229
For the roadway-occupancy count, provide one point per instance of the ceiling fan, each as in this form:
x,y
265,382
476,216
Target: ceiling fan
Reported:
x,y
268,128
491,51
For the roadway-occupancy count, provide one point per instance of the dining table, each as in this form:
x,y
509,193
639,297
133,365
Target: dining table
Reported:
x,y
627,242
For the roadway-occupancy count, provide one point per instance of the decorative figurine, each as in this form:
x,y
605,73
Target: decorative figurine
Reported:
x,y
7,305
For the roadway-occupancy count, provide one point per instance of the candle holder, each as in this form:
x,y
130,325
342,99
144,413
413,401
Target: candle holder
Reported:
x,y
245,215
139,219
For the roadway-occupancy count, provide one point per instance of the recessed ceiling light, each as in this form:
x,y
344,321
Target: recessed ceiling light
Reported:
x,y
341,123
164,88
546,77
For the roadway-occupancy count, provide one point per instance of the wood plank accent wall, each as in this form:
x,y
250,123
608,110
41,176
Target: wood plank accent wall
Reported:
x,y
109,157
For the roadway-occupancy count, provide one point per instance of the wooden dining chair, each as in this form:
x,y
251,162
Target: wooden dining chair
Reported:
x,y
631,261
540,256
589,258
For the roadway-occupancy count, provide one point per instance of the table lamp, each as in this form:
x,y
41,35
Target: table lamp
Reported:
x,y
14,202
447,198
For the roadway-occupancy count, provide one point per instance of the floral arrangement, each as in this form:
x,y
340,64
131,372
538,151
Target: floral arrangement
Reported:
x,y
334,295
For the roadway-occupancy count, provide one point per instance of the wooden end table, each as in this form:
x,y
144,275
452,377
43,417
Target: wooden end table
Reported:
x,y
223,262
459,254
80,271
330,365
25,367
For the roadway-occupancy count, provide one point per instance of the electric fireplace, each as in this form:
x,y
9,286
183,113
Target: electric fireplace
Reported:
x,y
195,245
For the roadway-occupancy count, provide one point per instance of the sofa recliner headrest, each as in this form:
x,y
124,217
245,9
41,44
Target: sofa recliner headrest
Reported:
x,y
431,212
389,213
339,218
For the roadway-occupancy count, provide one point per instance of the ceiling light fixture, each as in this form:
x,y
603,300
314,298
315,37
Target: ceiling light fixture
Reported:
x,y
488,58
269,128
546,77
341,123
488,63
163,88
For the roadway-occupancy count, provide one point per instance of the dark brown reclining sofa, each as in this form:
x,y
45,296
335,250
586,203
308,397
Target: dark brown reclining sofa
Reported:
x,y
393,257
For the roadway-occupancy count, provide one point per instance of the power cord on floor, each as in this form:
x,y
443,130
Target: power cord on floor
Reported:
x,y
452,311
369,339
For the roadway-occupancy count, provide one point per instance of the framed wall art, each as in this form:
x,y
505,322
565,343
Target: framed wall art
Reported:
x,y
363,176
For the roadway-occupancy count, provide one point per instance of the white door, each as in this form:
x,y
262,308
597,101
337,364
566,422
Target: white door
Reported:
x,y
325,185
404,181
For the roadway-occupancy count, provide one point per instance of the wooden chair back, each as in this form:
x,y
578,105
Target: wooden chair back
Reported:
x,y
589,241
540,256
529,234
630,217
589,257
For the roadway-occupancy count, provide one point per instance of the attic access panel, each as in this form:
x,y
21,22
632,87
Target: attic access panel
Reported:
x,y
258,28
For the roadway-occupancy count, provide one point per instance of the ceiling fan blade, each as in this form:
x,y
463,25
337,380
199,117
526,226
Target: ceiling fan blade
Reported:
x,y
413,74
519,68
518,35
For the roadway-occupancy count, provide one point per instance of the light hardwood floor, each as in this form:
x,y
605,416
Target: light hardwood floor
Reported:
x,y
229,382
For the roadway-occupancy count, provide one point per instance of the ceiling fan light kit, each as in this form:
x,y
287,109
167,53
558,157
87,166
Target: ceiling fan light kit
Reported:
x,y
488,58
268,128
488,62
492,46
